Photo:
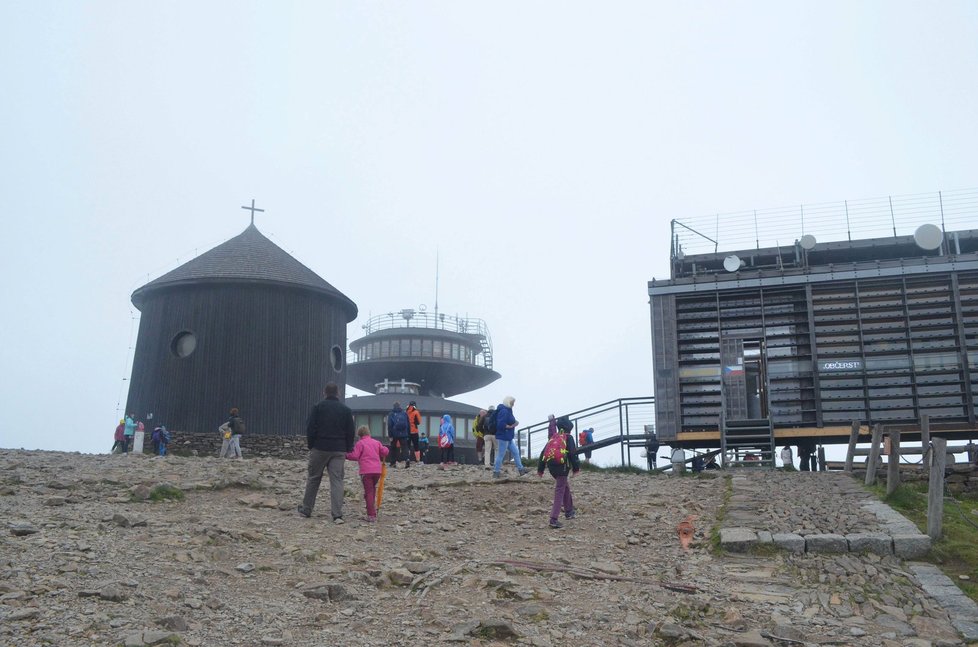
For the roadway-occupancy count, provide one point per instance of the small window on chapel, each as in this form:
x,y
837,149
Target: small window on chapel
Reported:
x,y
184,343
336,358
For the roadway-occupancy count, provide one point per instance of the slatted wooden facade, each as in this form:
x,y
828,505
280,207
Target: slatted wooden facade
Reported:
x,y
263,342
874,331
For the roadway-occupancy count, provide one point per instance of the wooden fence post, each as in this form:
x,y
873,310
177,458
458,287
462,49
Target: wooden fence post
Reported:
x,y
925,442
893,464
853,439
821,458
874,454
935,489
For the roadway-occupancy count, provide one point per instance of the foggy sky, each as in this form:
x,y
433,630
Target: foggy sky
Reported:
x,y
539,149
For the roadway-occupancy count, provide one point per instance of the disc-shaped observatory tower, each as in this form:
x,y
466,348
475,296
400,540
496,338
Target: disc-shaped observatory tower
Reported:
x,y
243,325
412,355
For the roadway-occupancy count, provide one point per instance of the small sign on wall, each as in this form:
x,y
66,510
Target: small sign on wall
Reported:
x,y
828,366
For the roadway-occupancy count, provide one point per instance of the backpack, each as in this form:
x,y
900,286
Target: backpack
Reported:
x,y
582,438
555,451
399,422
237,425
489,424
444,440
165,436
479,429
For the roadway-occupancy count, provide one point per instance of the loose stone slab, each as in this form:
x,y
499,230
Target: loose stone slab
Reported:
x,y
737,540
826,543
870,542
789,541
915,545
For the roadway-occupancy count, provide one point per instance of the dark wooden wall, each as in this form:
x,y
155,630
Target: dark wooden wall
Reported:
x,y
262,349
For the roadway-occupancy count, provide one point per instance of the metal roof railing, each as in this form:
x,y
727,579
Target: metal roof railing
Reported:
x,y
410,318
898,215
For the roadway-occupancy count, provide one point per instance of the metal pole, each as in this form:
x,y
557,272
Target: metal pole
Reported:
x,y
621,434
892,217
848,229
627,428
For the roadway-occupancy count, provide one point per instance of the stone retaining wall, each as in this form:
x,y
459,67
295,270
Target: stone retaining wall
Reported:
x,y
961,477
288,447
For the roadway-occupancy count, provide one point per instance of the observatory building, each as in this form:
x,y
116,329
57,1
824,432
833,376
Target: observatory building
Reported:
x,y
243,325
414,355
756,346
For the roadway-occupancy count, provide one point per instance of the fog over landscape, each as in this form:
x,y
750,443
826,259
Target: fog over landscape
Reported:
x,y
534,154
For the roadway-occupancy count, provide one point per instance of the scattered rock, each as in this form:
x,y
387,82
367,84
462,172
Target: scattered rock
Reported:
x,y
22,529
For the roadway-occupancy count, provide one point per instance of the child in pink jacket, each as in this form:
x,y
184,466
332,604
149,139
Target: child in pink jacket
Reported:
x,y
369,454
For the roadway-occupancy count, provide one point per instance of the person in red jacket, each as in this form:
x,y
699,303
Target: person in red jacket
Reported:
x,y
414,419
369,454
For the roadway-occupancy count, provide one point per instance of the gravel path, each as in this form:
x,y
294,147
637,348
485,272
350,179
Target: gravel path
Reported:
x,y
456,557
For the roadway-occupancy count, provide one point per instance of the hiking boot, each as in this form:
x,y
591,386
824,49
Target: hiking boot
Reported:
x,y
338,520
555,524
570,515
305,513
524,472
496,475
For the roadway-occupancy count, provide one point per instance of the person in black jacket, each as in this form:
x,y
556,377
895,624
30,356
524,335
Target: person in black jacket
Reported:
x,y
329,434
559,456
651,449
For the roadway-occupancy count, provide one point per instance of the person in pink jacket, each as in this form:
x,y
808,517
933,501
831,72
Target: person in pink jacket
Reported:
x,y
369,454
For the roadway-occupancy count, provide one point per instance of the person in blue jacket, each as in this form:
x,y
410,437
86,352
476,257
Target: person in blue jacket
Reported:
x,y
446,440
505,432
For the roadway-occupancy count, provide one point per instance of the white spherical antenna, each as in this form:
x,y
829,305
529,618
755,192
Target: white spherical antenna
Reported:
x,y
807,242
928,236
732,263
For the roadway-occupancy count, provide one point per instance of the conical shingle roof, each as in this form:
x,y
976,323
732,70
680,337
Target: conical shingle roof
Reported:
x,y
249,257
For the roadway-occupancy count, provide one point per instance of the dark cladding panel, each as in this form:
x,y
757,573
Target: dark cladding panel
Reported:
x,y
265,350
665,366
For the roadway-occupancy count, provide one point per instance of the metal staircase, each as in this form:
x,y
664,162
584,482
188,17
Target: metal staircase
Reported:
x,y
747,443
486,350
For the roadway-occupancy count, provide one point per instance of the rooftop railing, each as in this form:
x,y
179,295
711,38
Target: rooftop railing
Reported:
x,y
898,215
410,318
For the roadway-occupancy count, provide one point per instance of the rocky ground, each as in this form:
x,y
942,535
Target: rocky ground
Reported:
x,y
89,558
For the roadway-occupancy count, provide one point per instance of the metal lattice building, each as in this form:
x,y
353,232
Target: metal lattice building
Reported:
x,y
800,341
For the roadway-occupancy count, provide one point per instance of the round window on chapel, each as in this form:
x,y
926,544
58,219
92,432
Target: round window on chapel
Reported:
x,y
336,358
183,344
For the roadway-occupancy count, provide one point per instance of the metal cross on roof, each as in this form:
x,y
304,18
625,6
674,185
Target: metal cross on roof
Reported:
x,y
253,209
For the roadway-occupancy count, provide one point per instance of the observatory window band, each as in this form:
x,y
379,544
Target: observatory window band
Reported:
x,y
417,348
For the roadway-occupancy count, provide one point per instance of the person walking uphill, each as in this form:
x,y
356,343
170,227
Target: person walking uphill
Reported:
x,y
414,419
369,454
398,428
329,434
559,456
446,440
237,426
489,444
505,432
129,431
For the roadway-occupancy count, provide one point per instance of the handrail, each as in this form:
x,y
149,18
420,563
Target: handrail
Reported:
x,y
830,221
623,422
409,318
